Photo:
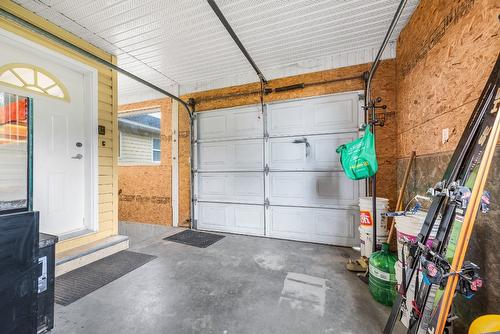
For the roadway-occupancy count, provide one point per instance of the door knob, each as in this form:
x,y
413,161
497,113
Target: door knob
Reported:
x,y
78,156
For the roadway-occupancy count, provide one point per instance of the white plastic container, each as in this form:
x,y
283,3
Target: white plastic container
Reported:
x,y
366,240
408,228
407,307
366,214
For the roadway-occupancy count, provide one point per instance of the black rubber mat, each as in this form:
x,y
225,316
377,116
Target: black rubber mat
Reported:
x,y
195,238
80,282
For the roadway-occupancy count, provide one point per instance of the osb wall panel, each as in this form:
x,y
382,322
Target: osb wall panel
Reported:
x,y
383,85
445,55
145,190
144,193
107,95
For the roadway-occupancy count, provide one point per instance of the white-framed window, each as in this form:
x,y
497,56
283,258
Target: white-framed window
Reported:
x,y
139,132
156,156
33,78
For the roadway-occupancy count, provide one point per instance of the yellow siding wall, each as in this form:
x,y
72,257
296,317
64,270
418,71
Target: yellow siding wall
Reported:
x,y
107,91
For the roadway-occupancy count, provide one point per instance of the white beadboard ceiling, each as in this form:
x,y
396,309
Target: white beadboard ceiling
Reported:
x,y
182,46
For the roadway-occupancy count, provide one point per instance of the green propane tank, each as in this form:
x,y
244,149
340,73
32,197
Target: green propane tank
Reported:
x,y
382,280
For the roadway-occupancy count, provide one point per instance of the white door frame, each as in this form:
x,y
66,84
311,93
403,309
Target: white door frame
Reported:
x,y
91,112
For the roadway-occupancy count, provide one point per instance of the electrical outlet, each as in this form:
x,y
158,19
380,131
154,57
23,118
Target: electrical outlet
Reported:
x,y
445,135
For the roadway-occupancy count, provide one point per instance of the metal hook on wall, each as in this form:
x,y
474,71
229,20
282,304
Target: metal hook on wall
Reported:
x,y
375,121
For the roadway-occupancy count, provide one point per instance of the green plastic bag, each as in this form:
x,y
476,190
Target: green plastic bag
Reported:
x,y
358,158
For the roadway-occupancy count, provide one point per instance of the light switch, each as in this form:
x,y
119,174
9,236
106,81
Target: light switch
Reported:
x,y
445,136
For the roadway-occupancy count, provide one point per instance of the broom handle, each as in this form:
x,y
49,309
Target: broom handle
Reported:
x,y
399,204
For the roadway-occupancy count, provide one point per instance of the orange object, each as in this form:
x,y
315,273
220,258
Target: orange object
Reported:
x,y
485,324
365,218
14,112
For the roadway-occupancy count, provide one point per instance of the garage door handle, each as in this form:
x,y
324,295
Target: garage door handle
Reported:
x,y
304,141
78,156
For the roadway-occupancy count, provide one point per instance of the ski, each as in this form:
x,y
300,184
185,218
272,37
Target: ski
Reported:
x,y
458,170
460,232
458,218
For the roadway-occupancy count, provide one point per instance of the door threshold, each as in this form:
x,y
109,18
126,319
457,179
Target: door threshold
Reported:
x,y
90,252
74,234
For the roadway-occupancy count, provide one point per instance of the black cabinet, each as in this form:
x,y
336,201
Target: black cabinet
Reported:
x,y
46,278
18,273
27,275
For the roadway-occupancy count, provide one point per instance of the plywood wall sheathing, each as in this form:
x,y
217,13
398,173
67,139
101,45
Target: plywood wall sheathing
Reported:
x,y
444,57
145,190
445,54
108,223
384,85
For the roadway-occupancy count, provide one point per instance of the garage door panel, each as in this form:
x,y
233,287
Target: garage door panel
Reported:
x,y
212,216
230,155
228,124
284,154
286,221
231,187
211,126
326,189
331,114
234,218
316,225
249,218
312,116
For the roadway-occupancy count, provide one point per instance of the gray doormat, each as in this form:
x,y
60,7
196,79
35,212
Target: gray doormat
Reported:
x,y
80,282
195,238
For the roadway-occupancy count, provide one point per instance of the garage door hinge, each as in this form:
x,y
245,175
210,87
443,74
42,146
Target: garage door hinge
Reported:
x,y
195,199
266,169
361,97
266,203
266,136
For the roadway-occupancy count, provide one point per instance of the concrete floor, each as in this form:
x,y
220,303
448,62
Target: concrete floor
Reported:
x,y
239,285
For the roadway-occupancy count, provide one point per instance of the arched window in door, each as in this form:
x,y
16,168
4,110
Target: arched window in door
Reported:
x,y
33,78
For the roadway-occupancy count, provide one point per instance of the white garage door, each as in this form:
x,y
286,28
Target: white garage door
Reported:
x,y
277,173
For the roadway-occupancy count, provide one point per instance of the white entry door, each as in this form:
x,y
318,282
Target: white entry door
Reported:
x,y
277,173
62,142
58,168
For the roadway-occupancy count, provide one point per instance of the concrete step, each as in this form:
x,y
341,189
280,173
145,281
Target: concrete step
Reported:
x,y
83,255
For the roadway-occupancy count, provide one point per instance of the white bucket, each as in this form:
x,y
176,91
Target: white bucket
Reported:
x,y
408,228
406,308
366,239
366,214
